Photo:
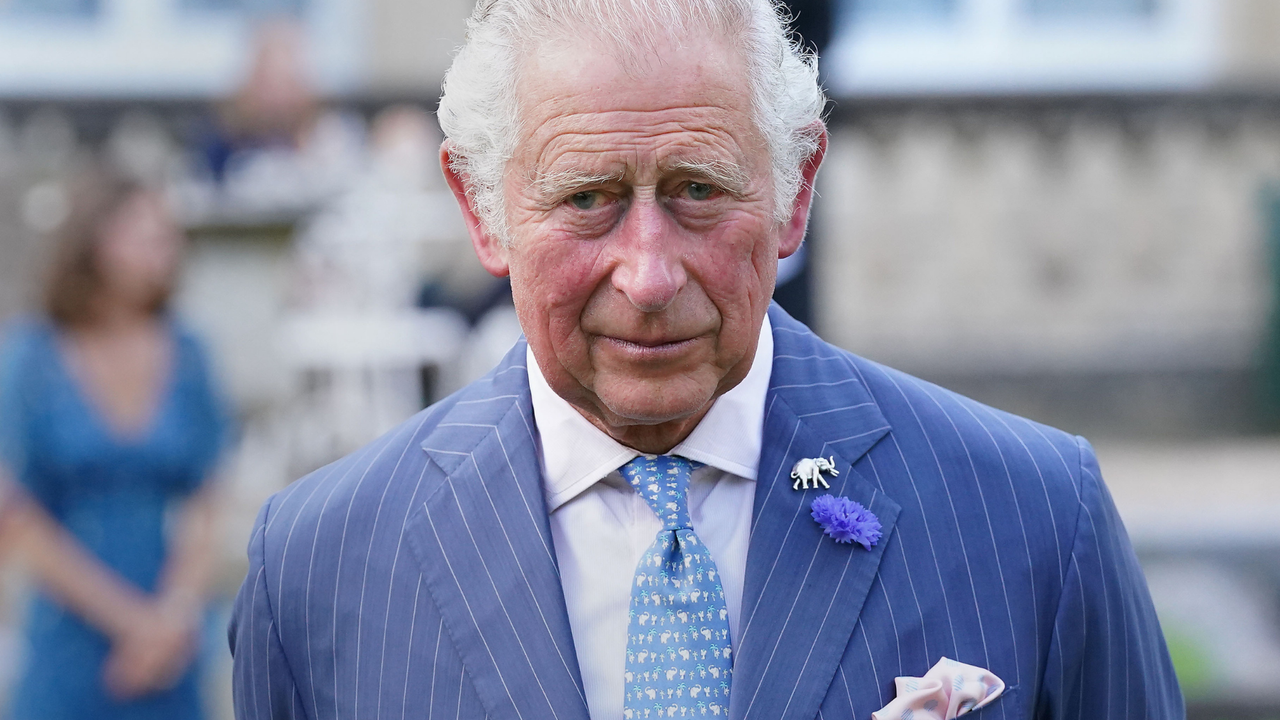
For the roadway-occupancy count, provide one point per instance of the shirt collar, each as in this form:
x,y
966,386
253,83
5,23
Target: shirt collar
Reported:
x,y
576,454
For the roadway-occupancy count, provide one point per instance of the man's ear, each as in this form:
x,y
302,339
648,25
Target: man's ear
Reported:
x,y
492,253
793,231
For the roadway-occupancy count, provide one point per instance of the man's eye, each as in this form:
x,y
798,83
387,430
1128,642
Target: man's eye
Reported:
x,y
700,191
585,200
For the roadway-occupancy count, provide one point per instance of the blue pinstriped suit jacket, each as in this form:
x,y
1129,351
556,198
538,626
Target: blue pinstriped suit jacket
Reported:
x,y
416,577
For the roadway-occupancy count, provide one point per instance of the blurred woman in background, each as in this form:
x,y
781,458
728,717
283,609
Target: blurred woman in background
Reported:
x,y
108,422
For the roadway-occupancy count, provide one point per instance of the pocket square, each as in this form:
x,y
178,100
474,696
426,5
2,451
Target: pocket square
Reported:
x,y
950,689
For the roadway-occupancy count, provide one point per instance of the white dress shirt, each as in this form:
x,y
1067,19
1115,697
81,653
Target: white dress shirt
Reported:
x,y
601,527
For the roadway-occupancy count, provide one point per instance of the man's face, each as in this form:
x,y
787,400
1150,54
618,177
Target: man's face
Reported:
x,y
643,246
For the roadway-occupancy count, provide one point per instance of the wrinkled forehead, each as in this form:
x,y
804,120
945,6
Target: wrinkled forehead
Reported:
x,y
640,49
690,88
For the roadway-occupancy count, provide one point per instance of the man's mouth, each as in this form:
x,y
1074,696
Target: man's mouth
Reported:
x,y
648,350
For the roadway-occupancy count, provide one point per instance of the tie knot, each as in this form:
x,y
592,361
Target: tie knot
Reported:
x,y
663,481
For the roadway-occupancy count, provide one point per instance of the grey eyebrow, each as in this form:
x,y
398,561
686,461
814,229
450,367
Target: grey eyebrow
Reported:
x,y
557,184
726,175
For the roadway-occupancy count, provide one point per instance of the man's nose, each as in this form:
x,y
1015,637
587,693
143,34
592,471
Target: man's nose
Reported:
x,y
649,270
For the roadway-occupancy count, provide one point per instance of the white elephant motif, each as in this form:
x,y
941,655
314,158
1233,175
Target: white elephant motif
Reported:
x,y
809,470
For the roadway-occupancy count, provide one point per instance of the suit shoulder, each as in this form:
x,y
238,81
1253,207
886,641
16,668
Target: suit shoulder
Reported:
x,y
927,421
961,431
392,471
388,466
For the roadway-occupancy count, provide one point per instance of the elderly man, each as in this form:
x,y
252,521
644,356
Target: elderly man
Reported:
x,y
670,499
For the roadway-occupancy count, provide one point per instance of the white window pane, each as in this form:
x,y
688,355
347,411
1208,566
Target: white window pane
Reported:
x,y
1087,8
50,8
902,10
248,7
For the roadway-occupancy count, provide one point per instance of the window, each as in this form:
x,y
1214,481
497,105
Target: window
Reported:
x,y
901,11
50,8
1090,8
246,7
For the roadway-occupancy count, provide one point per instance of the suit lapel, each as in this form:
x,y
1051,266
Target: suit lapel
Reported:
x,y
804,591
484,544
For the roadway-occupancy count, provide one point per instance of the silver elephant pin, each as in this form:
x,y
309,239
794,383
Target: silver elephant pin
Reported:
x,y
809,470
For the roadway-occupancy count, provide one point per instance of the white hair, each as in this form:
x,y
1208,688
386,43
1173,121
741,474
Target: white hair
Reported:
x,y
478,109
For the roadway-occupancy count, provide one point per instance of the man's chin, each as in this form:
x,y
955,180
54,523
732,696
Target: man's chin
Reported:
x,y
658,407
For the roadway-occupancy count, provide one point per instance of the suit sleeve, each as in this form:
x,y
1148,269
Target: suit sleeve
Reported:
x,y
263,687
1107,657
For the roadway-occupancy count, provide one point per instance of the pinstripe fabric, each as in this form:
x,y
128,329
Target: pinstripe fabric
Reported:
x,y
416,578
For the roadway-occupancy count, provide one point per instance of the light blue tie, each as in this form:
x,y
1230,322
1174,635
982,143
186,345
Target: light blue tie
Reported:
x,y
679,661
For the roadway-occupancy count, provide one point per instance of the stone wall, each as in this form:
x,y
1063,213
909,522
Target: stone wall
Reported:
x,y
1068,236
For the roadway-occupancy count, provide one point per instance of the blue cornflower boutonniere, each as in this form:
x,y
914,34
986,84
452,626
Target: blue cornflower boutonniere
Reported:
x,y
846,521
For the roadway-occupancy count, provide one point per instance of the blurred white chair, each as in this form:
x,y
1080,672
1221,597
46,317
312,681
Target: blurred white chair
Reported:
x,y
358,374
487,344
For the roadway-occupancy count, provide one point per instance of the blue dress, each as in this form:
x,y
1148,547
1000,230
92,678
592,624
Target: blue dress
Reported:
x,y
112,493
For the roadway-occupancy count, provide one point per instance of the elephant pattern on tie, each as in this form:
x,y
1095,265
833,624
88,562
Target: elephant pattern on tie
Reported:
x,y
679,653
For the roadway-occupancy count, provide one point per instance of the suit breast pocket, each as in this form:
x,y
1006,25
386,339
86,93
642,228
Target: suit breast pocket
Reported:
x,y
1005,706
